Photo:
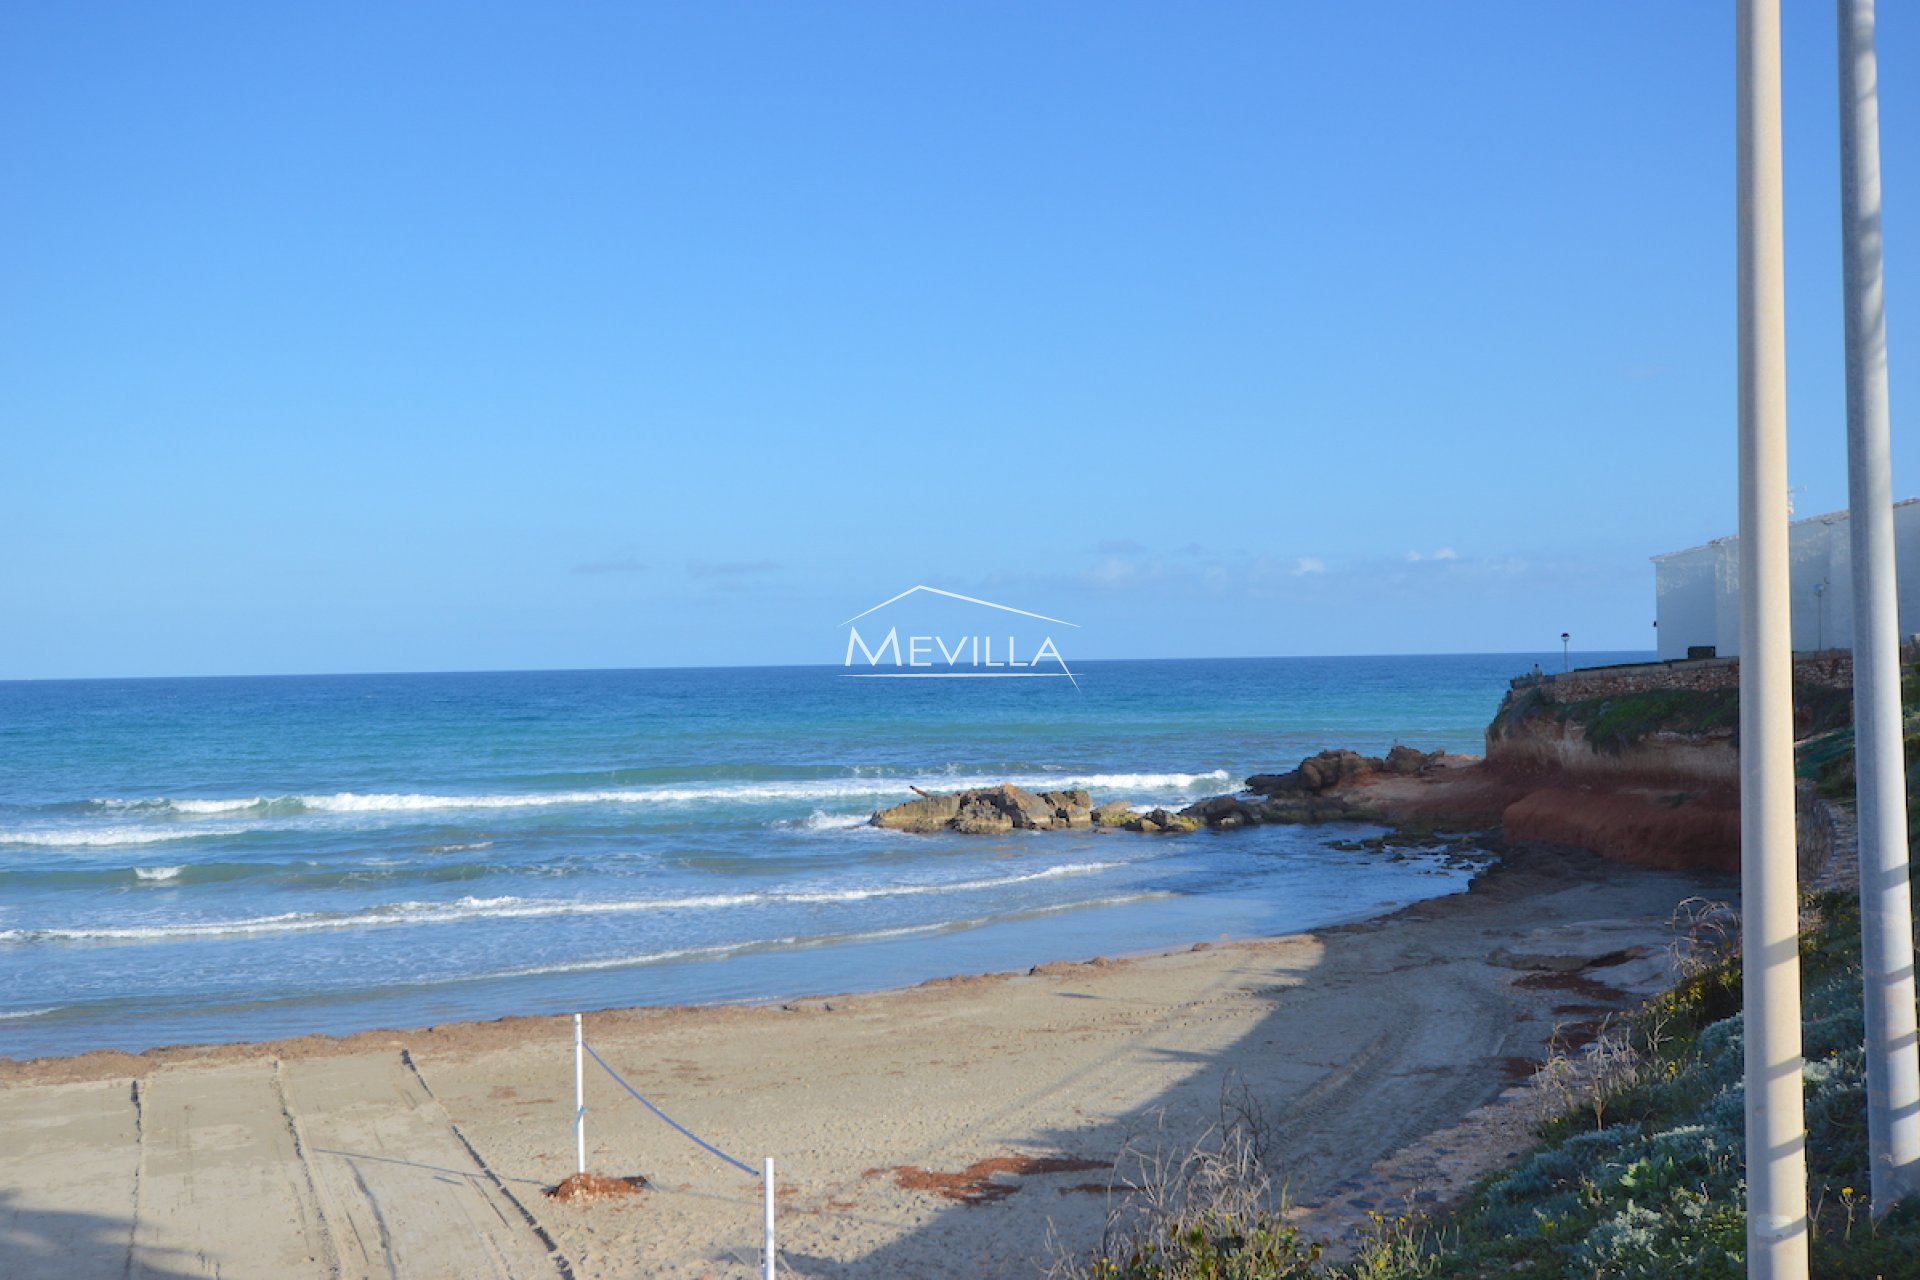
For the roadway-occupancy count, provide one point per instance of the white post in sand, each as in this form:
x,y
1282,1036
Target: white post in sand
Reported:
x,y
1776,1110
580,1094
1886,898
767,1254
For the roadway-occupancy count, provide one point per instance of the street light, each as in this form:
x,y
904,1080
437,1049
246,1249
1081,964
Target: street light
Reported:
x,y
1566,654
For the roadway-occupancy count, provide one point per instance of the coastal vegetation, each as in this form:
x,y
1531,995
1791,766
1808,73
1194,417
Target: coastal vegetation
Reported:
x,y
1638,1176
1613,724
1639,1173
1616,723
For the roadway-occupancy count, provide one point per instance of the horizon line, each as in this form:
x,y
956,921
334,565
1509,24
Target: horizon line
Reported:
x,y
778,666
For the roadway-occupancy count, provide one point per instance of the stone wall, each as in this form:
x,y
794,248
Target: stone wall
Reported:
x,y
1828,668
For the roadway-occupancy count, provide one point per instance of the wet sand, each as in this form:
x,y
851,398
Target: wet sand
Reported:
x,y
945,1130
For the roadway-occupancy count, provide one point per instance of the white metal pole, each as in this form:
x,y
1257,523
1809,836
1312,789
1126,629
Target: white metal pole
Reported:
x,y
1886,901
767,1253
579,1094
1776,1117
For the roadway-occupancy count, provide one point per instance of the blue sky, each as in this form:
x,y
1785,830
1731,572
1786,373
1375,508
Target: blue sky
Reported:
x,y
356,337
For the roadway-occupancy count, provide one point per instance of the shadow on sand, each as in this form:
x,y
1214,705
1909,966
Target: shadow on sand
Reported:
x,y
1401,1030
60,1244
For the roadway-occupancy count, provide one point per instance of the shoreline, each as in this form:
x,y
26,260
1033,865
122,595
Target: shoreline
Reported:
x,y
883,1107
109,1062
122,1064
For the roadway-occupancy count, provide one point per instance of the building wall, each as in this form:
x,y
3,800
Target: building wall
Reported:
x,y
1685,594
1821,582
1697,591
1831,669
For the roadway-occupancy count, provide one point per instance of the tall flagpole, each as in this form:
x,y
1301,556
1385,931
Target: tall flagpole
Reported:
x,y
1886,901
1776,1118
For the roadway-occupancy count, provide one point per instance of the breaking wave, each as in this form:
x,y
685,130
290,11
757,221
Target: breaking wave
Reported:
x,y
103,837
514,908
821,789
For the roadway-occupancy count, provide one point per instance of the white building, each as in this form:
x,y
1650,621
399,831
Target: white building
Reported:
x,y
1697,591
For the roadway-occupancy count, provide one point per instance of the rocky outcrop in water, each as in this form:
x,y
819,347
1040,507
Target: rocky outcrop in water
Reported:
x,y
1636,767
1328,787
1160,822
1320,774
989,811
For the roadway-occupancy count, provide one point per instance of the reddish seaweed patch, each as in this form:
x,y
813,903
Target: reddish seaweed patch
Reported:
x,y
1517,1069
975,1184
584,1188
1575,983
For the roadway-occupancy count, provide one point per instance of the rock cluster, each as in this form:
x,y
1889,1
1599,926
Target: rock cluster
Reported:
x,y
990,811
1314,792
1320,774
1160,822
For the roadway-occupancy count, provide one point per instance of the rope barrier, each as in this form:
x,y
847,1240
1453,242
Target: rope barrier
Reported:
x,y
685,1132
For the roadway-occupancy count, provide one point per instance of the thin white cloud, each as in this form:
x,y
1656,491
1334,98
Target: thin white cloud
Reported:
x,y
729,568
1306,565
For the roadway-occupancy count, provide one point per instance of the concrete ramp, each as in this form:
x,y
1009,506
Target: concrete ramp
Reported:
x,y
401,1193
69,1158
216,1149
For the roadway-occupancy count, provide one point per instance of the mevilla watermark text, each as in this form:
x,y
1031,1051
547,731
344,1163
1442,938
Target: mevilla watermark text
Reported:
x,y
972,651
974,655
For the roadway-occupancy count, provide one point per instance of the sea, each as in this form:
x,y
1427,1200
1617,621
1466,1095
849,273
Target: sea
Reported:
x,y
222,859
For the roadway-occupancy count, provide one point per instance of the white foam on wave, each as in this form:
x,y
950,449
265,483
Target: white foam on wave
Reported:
x,y
818,940
157,873
1138,781
817,790
217,806
741,793
512,908
951,886
99,837
29,1013
623,962
821,820
183,806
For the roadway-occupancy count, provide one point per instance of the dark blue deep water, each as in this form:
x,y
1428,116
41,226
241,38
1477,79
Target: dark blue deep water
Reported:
x,y
226,859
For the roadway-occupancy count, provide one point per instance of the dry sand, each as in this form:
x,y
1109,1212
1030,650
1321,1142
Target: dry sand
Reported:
x,y
940,1131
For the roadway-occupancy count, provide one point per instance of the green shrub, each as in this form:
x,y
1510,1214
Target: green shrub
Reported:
x,y
1656,1192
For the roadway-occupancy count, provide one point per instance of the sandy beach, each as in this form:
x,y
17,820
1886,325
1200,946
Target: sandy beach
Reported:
x,y
946,1130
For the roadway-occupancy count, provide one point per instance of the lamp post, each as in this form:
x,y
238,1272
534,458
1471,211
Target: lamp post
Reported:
x,y
1566,651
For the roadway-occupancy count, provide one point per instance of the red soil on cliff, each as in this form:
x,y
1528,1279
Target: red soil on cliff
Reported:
x,y
1647,827
1651,826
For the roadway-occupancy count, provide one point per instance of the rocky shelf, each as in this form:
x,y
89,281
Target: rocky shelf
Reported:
x,y
1322,789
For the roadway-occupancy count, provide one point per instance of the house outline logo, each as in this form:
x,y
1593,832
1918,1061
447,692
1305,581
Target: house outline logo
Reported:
x,y
924,655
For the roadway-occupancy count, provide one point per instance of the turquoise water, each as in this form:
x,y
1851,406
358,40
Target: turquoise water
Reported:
x,y
229,859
